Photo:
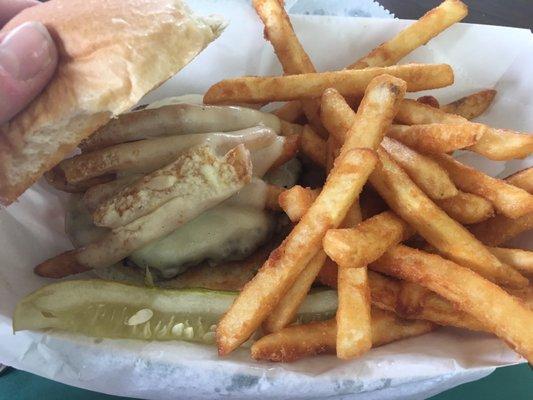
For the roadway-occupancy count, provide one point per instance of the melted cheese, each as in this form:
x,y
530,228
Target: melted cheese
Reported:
x,y
222,233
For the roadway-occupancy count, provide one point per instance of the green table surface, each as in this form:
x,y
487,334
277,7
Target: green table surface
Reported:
x,y
513,383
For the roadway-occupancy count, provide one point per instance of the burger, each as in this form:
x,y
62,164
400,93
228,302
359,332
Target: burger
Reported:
x,y
174,193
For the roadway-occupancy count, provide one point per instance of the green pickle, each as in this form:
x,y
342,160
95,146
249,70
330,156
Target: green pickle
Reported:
x,y
106,309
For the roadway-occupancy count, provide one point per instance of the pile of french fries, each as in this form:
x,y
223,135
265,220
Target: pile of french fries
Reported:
x,y
426,259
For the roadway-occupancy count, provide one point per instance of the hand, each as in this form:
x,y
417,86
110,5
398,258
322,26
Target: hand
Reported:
x,y
28,59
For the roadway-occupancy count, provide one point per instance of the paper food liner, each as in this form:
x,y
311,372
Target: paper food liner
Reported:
x,y
32,230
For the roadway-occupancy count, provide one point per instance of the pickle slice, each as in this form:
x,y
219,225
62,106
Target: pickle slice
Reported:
x,y
114,310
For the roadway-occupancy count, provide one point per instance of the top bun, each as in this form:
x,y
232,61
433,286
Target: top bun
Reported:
x,y
111,53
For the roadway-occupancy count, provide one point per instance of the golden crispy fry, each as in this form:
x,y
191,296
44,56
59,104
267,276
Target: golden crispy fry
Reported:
x,y
289,129
467,208
522,179
336,115
333,148
313,146
495,144
509,200
521,260
97,194
426,173
296,201
299,341
176,119
264,291
500,229
487,302
291,54
359,246
389,53
375,114
122,241
471,106
312,85
289,112
394,295
291,144
287,308
429,100
448,236
354,336
418,34
437,138
145,156
279,31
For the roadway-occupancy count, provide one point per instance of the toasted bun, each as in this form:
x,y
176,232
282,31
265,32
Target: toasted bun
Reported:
x,y
111,53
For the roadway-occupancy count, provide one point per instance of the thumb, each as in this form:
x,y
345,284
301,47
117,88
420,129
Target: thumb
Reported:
x,y
28,58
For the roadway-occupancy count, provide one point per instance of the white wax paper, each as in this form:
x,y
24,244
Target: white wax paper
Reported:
x,y
32,230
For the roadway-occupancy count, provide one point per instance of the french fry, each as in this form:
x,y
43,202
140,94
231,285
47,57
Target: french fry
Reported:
x,y
394,295
121,242
354,336
176,119
145,156
289,129
289,50
509,200
299,341
375,113
413,301
522,179
426,173
312,85
487,302
500,229
417,34
471,106
467,208
287,308
336,115
296,201
445,234
289,149
374,116
359,246
495,144
389,53
429,100
289,112
437,138
521,260
264,291
197,172
97,194
313,146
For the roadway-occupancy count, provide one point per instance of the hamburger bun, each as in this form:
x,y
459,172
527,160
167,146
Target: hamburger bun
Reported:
x,y
111,53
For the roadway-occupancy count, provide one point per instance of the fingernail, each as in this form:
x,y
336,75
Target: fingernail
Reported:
x,y
26,50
